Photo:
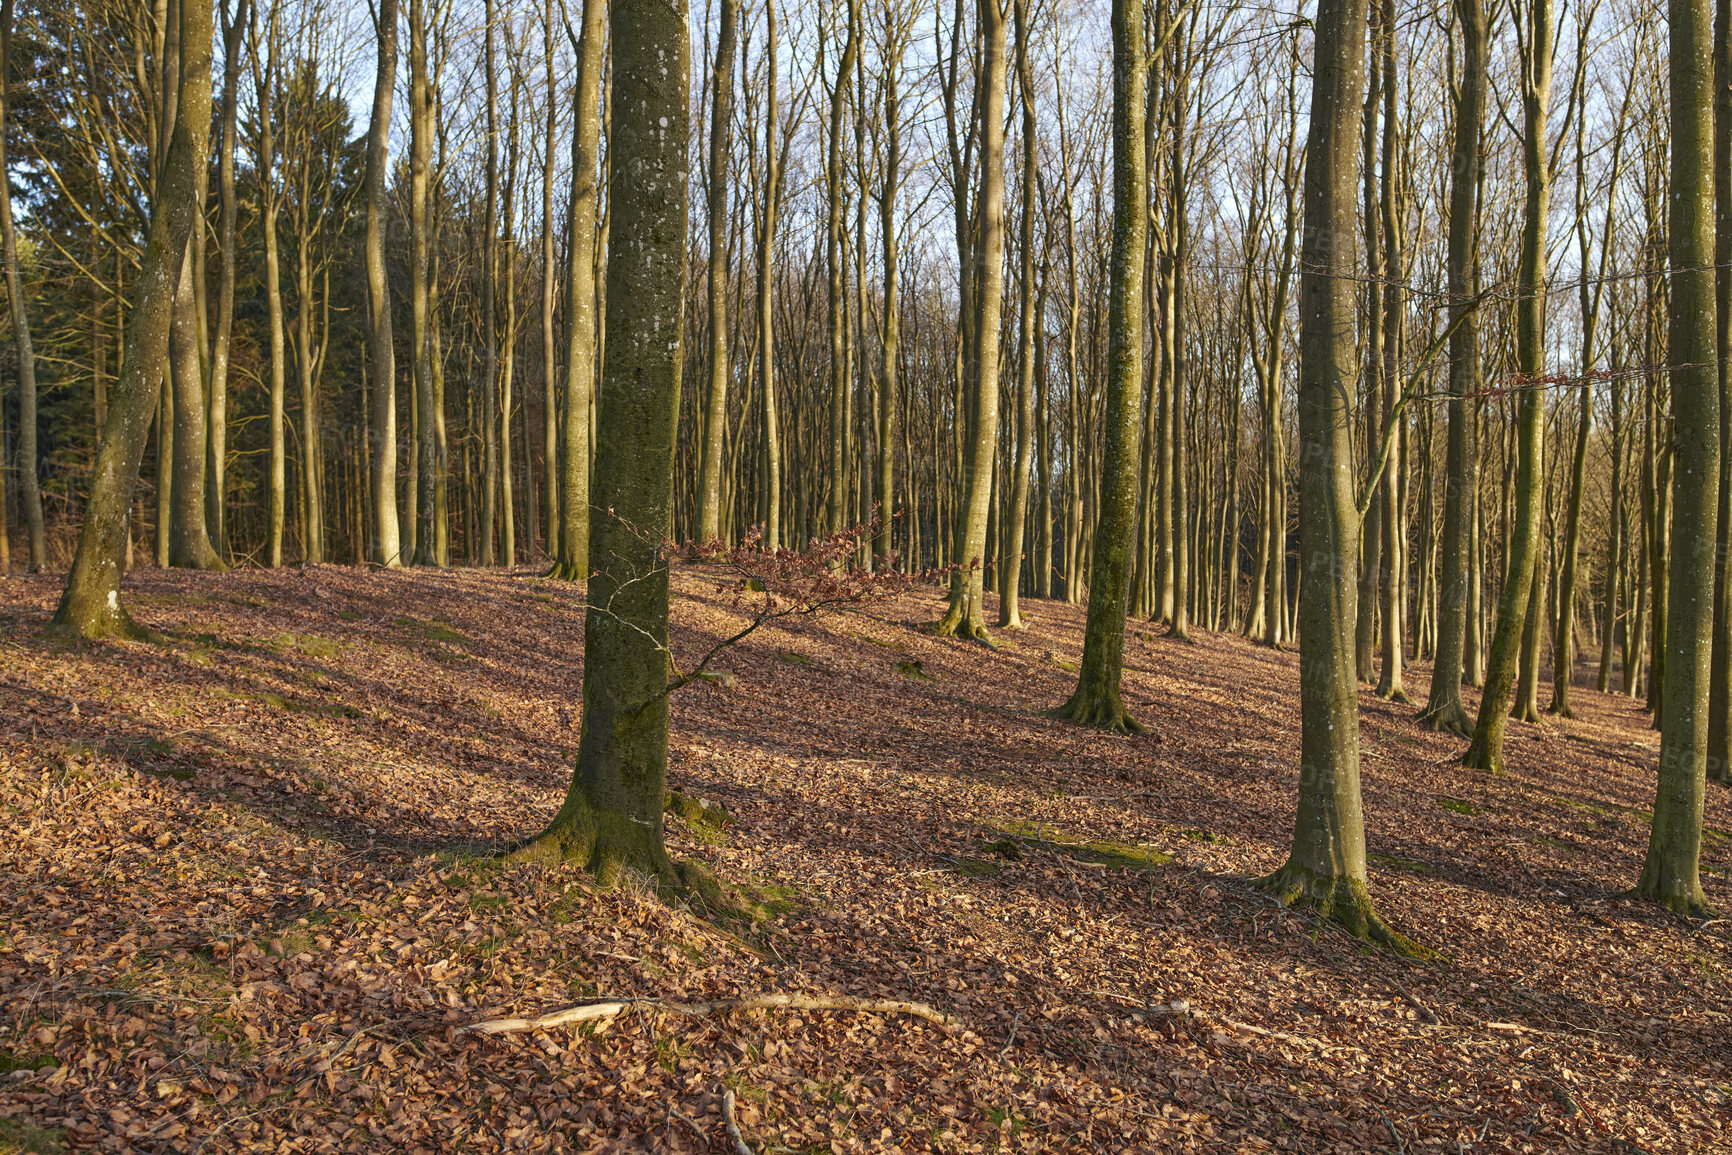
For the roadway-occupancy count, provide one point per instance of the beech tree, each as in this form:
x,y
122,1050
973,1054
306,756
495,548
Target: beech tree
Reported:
x,y
1326,869
90,605
612,816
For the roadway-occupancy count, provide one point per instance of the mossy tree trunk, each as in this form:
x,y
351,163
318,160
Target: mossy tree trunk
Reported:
x,y
1486,752
1443,707
612,816
1671,875
421,133
90,604
966,616
1096,700
1326,870
1720,673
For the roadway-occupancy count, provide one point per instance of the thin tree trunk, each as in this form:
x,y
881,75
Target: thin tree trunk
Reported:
x,y
716,396
387,537
1096,700
29,489
1486,752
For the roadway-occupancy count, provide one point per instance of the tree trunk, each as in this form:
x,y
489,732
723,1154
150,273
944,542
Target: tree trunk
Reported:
x,y
1671,873
1096,700
966,615
612,816
715,420
1486,752
580,302
29,489
489,303
1010,559
90,604
387,536
1326,869
428,476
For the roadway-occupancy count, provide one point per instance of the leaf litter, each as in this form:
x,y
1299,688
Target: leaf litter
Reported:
x,y
252,896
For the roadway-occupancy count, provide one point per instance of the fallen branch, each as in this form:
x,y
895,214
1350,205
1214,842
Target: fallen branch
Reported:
x,y
740,1145
612,1008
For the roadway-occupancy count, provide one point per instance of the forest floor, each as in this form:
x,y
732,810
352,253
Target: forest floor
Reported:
x,y
248,894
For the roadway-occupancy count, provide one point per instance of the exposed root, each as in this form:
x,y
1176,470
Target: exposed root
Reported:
x,y
611,1008
1449,718
1396,694
957,624
1344,901
1098,710
566,572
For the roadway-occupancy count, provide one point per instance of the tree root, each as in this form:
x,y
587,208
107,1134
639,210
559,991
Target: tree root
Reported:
x,y
1100,711
1342,900
771,1002
565,572
1448,718
958,625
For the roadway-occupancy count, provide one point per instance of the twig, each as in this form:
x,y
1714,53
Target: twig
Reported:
x,y
1425,1012
612,1008
1400,1147
1016,1018
740,1145
688,1121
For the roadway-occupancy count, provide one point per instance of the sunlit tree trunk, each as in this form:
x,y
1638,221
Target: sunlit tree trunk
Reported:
x,y
387,537
1486,752
1326,869
715,422
966,615
1097,700
1671,873
90,605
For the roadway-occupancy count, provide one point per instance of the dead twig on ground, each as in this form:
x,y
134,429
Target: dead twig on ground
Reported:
x,y
771,1002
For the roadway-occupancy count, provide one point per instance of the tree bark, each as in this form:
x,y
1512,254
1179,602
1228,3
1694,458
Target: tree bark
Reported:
x,y
1671,873
1486,751
715,421
29,488
612,816
90,604
966,615
1097,700
580,302
1326,869
387,536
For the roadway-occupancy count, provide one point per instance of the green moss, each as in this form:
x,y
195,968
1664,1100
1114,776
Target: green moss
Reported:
x,y
22,1139
431,631
1457,806
1119,855
978,868
793,656
311,645
913,669
1206,836
1395,863
10,1061
697,812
